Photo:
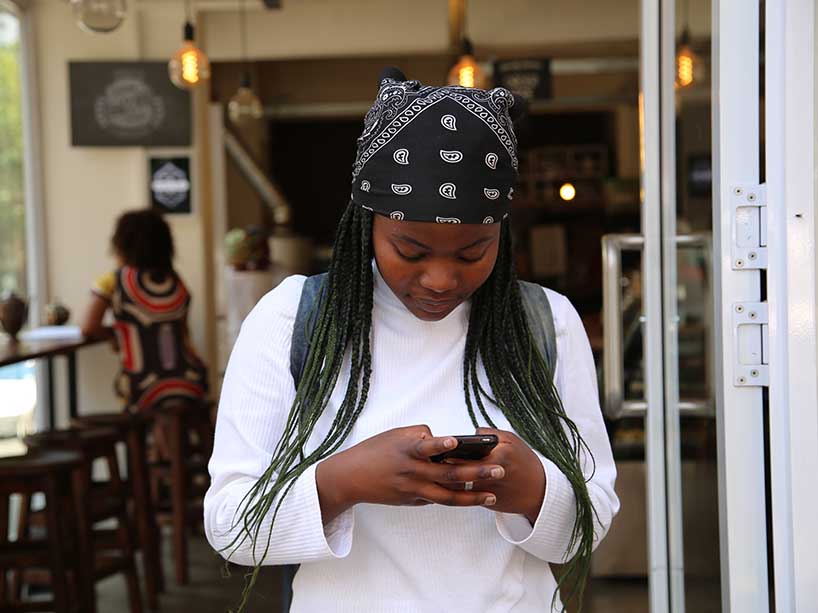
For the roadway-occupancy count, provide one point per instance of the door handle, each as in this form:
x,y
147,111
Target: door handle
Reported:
x,y
616,338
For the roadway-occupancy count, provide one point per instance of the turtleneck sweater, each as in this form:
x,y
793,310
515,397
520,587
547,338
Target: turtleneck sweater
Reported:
x,y
387,558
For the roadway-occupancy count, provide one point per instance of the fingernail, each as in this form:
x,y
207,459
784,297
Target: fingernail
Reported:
x,y
497,472
489,501
449,443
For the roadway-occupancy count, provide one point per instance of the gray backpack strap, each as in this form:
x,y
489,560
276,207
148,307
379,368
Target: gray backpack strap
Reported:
x,y
301,334
540,320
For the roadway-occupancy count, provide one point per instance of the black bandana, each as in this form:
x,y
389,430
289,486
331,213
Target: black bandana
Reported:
x,y
439,154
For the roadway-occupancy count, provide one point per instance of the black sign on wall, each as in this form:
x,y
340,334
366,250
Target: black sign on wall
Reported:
x,y
530,78
170,184
127,104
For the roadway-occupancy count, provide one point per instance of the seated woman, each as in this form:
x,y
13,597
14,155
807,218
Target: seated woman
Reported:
x,y
149,303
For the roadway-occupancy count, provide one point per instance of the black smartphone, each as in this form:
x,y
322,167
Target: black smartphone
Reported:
x,y
469,447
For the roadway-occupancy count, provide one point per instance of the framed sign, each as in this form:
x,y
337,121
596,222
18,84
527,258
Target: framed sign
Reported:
x,y
170,184
530,78
127,104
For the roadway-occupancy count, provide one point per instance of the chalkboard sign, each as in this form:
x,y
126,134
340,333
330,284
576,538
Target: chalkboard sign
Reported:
x,y
170,184
127,104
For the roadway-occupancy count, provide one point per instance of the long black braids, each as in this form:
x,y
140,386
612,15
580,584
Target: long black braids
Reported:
x,y
523,388
520,381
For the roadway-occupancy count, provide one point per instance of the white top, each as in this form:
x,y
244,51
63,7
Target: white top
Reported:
x,y
386,558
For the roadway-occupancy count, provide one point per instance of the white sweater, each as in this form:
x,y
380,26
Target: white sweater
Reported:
x,y
399,559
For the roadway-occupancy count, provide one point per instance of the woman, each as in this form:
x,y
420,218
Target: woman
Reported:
x,y
421,334
150,304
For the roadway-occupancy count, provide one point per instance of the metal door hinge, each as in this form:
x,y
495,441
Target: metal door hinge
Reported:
x,y
751,340
749,227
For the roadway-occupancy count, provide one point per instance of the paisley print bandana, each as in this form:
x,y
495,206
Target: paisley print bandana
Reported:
x,y
437,154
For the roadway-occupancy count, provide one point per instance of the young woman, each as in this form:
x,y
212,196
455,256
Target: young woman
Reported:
x,y
421,334
150,304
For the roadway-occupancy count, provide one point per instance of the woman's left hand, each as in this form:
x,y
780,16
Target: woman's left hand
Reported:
x,y
522,488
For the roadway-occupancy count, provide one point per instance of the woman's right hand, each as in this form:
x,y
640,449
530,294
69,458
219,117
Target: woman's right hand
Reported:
x,y
393,468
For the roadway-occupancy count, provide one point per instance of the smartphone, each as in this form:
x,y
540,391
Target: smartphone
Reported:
x,y
469,447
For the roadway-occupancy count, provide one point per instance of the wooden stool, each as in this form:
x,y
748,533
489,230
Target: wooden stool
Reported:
x,y
58,475
99,502
131,428
187,430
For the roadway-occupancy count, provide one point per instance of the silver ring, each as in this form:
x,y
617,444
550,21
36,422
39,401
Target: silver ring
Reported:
x,y
468,485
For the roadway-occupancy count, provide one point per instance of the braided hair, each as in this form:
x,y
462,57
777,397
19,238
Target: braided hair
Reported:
x,y
521,382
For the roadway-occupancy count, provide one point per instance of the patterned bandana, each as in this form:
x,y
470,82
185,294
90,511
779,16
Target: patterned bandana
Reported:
x,y
437,154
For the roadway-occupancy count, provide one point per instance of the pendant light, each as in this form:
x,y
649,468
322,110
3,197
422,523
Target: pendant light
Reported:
x,y
686,60
189,66
244,104
467,72
99,16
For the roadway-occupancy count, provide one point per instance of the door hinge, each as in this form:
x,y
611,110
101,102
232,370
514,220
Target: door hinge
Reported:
x,y
751,341
749,227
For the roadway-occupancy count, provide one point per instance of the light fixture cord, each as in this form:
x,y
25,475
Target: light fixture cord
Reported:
x,y
243,30
188,12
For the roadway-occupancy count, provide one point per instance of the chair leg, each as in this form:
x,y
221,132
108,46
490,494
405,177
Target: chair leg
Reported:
x,y
16,587
143,513
4,537
178,497
131,576
125,533
59,585
85,548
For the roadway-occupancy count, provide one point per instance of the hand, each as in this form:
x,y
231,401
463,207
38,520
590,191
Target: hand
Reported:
x,y
522,488
393,468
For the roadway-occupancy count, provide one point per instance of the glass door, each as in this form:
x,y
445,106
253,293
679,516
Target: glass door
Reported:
x,y
621,208
658,358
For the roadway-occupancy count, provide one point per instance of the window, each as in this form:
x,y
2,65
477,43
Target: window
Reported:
x,y
18,386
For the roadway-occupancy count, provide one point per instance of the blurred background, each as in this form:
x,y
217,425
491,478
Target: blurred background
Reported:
x,y
237,119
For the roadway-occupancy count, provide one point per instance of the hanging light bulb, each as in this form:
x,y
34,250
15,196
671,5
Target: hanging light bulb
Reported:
x,y
189,66
467,72
685,61
244,104
99,16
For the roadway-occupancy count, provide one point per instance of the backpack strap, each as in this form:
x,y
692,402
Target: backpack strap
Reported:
x,y
311,296
541,321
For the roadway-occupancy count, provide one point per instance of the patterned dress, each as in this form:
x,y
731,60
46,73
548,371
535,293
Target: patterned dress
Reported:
x,y
150,313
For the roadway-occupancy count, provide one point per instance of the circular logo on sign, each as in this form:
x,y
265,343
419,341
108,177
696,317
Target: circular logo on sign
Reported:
x,y
129,108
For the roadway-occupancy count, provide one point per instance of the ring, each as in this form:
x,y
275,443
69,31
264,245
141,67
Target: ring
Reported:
x,y
468,485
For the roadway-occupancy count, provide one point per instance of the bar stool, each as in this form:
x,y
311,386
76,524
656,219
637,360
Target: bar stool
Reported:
x,y
99,502
131,428
188,432
58,475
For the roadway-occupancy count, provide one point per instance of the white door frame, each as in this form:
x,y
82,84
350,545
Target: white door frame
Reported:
x,y
736,225
791,194
651,169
